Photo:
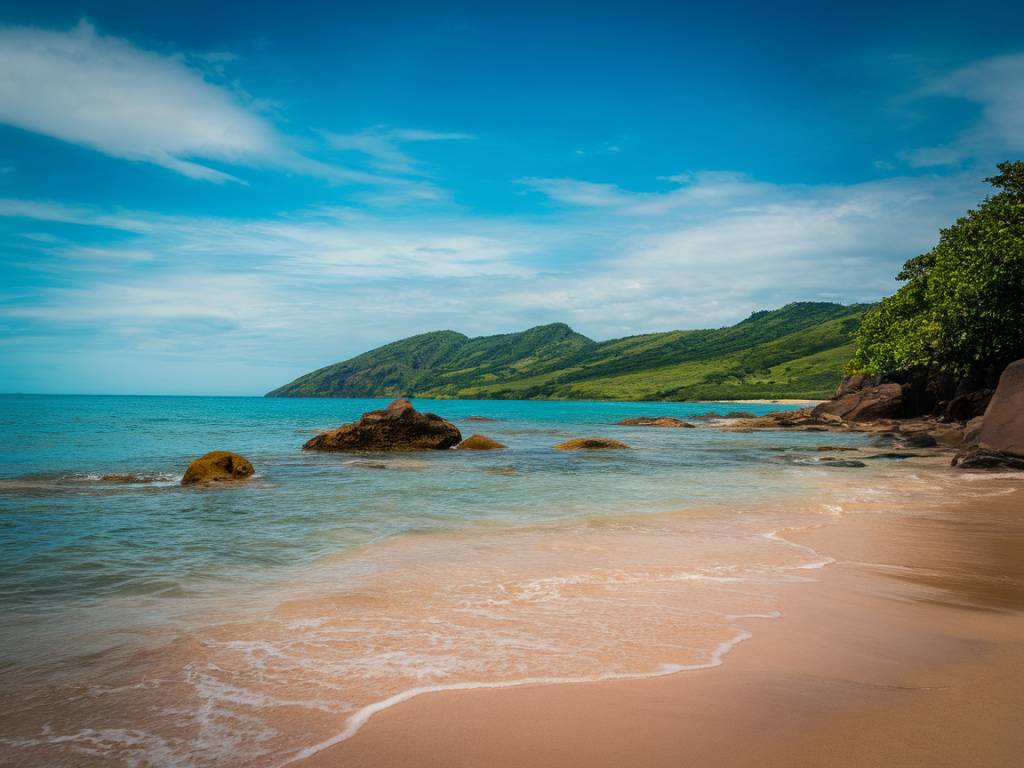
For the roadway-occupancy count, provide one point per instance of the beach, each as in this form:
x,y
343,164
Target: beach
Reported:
x,y
907,651
707,596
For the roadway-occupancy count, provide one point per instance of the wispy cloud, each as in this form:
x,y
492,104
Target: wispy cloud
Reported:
x,y
384,146
106,94
997,86
280,295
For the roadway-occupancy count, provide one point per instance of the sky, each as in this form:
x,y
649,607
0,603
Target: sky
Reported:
x,y
214,199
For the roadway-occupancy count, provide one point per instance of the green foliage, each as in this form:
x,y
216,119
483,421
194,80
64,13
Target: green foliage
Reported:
x,y
962,308
796,351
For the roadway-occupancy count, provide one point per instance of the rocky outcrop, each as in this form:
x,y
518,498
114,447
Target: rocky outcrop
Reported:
x,y
968,406
399,427
999,439
868,403
216,467
479,443
589,444
655,421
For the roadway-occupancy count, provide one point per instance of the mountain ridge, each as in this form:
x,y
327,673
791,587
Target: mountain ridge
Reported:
x,y
795,351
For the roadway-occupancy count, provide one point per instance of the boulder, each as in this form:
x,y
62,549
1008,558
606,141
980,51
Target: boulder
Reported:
x,y
655,421
399,427
479,418
884,401
981,458
589,444
969,406
972,431
920,440
479,443
216,467
998,439
1003,427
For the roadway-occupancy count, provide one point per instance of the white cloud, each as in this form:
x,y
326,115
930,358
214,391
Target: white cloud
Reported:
x,y
106,94
383,146
997,86
305,289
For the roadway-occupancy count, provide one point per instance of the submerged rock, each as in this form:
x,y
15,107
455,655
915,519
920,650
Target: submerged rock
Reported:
x,y
655,421
216,467
479,418
589,444
893,456
399,427
479,443
841,463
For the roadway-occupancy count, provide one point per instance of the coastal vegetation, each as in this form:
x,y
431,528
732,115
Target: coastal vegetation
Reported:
x,y
960,312
797,351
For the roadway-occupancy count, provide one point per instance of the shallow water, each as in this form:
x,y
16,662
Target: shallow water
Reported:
x,y
149,624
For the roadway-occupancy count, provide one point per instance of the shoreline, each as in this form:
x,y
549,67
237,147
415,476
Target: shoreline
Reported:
x,y
881,638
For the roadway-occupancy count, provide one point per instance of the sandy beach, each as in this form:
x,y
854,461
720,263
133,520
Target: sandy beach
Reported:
x,y
907,651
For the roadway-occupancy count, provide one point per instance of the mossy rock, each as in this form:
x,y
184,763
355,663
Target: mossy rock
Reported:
x,y
590,444
216,467
480,443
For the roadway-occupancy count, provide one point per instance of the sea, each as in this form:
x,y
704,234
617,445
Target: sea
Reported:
x,y
253,624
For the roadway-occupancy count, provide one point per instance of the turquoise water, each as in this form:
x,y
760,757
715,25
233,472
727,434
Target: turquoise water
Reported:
x,y
64,534
149,624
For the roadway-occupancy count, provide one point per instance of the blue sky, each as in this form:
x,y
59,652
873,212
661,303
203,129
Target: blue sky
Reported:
x,y
200,199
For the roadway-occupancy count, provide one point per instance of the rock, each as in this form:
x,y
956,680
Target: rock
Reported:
x,y
969,406
840,463
740,415
893,456
950,436
479,443
884,401
589,444
217,466
1003,427
920,440
479,418
972,432
656,421
399,427
831,418
851,384
837,448
982,458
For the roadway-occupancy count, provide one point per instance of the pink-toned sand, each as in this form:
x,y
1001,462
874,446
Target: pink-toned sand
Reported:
x,y
908,652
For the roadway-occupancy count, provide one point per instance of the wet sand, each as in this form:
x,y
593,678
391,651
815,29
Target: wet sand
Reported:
x,y
908,651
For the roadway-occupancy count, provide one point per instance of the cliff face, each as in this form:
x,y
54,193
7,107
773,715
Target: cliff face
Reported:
x,y
796,351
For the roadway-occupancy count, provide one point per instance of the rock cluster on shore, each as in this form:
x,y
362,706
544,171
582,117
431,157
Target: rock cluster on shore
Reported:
x,y
861,404
399,427
655,421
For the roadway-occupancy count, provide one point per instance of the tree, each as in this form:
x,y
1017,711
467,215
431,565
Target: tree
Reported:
x,y
961,310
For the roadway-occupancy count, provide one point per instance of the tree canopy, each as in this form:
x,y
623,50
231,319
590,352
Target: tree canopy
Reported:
x,y
961,309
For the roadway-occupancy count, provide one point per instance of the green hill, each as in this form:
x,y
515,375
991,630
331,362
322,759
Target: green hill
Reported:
x,y
796,351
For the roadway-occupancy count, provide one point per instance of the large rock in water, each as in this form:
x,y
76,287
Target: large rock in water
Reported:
x,y
216,467
1000,441
868,403
399,427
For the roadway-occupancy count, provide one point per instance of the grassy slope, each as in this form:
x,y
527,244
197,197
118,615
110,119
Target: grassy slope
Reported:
x,y
796,351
